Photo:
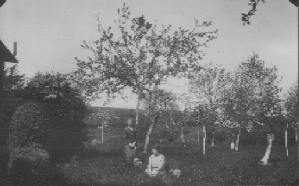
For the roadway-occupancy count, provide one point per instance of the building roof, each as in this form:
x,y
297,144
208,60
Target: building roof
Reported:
x,y
295,2
2,2
6,55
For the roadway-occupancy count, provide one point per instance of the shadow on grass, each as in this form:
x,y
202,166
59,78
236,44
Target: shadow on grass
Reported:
x,y
157,184
59,181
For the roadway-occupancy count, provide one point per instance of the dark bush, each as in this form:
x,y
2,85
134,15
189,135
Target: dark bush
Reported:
x,y
65,131
64,142
27,129
28,125
31,166
66,110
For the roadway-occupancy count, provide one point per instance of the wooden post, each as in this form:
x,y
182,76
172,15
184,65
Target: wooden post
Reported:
x,y
232,142
296,136
238,139
198,136
286,139
204,139
198,131
213,139
182,135
102,131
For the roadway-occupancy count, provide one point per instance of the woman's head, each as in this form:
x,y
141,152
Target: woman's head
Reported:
x,y
130,122
156,150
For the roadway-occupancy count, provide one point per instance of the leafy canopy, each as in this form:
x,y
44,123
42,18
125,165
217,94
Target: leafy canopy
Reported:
x,y
255,93
291,105
140,55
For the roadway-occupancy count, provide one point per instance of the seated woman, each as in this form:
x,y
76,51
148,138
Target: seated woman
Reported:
x,y
156,163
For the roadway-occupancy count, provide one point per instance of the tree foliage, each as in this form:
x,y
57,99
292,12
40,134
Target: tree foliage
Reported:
x,y
208,87
13,84
105,116
255,93
291,105
162,101
253,8
253,4
13,80
58,93
140,55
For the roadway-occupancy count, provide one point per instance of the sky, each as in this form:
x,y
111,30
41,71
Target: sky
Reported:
x,y
49,33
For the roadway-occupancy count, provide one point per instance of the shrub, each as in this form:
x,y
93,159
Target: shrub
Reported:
x,y
65,108
9,100
64,142
27,129
31,166
28,125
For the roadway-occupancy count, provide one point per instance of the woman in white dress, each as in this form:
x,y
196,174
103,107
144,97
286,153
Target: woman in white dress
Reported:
x,y
156,163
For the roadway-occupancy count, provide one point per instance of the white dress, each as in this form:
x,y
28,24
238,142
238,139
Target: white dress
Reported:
x,y
155,164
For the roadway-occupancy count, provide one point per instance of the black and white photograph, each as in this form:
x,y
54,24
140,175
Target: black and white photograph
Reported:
x,y
149,93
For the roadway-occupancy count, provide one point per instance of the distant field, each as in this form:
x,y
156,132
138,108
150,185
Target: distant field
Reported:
x,y
121,113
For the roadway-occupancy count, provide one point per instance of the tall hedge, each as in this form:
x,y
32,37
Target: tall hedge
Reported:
x,y
27,134
28,125
66,109
46,128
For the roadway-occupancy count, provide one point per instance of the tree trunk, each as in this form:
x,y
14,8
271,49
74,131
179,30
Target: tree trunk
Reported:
x,y
232,142
147,137
172,124
149,132
102,131
237,140
10,161
198,134
182,136
213,140
232,145
286,140
265,159
137,108
204,139
296,136
167,126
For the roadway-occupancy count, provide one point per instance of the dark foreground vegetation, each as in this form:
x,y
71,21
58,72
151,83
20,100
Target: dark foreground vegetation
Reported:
x,y
102,164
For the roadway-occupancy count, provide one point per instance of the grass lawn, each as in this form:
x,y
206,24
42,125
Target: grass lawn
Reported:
x,y
103,164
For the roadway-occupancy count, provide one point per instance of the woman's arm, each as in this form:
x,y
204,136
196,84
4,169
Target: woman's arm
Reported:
x,y
149,166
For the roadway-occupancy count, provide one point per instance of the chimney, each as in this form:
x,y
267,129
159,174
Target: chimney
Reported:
x,y
15,49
